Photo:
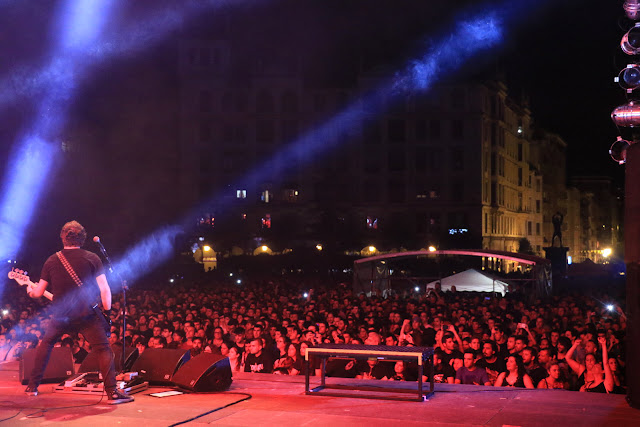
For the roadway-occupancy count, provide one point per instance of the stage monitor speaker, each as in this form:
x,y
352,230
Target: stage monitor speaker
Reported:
x,y
91,364
205,372
157,365
59,368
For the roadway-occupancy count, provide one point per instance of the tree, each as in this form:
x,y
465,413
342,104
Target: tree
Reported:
x,y
524,246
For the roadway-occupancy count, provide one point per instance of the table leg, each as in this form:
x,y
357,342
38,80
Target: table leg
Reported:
x,y
306,376
420,372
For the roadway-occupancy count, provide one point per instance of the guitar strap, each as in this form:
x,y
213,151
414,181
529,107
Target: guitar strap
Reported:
x,y
72,273
69,269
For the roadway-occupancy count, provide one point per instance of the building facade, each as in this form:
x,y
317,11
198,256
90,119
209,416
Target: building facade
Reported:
x,y
455,167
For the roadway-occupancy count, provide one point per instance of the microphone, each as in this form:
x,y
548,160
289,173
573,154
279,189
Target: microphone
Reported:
x,y
97,240
104,252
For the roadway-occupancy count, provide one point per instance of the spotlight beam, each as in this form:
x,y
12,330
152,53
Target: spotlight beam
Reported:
x,y
82,21
472,36
35,156
32,81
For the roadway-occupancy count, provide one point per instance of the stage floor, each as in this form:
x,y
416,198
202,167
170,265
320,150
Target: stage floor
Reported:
x,y
280,401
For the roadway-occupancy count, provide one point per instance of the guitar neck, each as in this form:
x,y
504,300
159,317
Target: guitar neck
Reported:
x,y
48,295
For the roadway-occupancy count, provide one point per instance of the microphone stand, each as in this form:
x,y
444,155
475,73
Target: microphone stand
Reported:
x,y
124,301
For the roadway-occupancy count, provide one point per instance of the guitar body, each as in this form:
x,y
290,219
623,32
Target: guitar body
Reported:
x,y
24,280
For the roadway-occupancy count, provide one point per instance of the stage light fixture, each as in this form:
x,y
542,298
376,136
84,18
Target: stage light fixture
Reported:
x,y
627,115
630,43
629,78
618,150
632,8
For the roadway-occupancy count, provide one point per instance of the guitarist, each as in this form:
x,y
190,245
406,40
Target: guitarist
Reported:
x,y
72,307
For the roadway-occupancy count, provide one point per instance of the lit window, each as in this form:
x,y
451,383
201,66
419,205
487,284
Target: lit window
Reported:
x,y
265,196
458,231
241,194
266,221
206,220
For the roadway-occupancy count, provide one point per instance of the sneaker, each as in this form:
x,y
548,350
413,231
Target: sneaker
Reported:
x,y
31,391
118,397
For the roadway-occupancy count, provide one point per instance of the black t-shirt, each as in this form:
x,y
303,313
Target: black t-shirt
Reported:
x,y
537,374
455,354
442,372
260,364
378,371
337,367
71,301
498,365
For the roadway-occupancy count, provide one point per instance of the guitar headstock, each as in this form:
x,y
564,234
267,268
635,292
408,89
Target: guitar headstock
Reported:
x,y
19,276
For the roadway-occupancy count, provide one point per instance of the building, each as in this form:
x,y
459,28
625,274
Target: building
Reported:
x,y
601,216
453,167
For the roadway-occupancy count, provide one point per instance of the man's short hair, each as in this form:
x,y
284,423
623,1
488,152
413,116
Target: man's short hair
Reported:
x,y
259,340
553,352
294,328
73,234
493,345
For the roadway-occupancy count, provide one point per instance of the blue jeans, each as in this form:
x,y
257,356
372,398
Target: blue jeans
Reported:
x,y
93,328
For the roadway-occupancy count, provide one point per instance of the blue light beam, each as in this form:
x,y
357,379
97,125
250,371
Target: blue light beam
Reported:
x,y
471,37
32,81
36,153
23,183
81,23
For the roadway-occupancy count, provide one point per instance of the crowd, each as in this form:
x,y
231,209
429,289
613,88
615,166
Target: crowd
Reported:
x,y
571,342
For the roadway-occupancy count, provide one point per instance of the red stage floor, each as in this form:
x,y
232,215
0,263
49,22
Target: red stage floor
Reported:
x,y
280,401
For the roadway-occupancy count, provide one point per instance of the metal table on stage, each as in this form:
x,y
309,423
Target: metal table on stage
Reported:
x,y
355,351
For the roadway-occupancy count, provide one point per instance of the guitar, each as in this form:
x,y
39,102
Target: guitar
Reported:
x,y
21,277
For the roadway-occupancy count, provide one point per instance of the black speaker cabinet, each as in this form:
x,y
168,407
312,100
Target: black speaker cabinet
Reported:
x,y
59,368
157,365
90,363
205,372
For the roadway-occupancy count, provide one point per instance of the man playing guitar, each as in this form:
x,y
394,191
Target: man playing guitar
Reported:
x,y
75,277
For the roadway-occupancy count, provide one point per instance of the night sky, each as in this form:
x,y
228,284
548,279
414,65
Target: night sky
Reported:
x,y
562,54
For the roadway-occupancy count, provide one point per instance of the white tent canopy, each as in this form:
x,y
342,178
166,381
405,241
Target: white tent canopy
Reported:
x,y
471,280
